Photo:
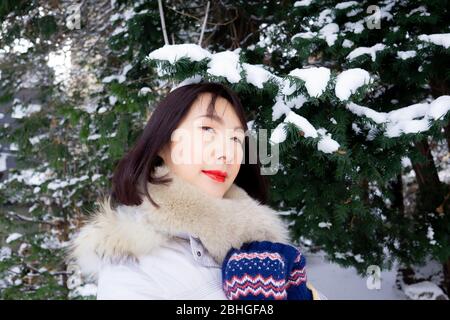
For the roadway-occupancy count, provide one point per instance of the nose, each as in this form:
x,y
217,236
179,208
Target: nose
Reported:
x,y
222,155
223,151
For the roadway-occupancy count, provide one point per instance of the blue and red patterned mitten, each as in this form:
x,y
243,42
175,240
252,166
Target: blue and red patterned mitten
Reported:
x,y
264,270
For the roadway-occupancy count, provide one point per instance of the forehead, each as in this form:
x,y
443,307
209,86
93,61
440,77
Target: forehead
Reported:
x,y
222,108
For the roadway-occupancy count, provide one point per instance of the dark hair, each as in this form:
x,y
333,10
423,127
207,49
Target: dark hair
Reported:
x,y
138,165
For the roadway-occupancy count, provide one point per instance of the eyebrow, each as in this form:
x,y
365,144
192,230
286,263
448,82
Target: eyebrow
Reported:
x,y
217,119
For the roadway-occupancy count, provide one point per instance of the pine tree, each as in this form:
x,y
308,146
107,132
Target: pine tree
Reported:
x,y
69,128
353,110
350,105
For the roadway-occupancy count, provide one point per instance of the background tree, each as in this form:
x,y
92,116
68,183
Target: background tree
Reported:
x,y
349,105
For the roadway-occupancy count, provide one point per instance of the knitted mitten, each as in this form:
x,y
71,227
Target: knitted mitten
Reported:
x,y
259,271
296,282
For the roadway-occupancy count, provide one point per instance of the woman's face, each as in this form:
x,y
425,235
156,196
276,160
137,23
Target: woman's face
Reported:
x,y
205,151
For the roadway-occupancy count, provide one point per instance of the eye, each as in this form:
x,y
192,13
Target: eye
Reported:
x,y
236,139
206,128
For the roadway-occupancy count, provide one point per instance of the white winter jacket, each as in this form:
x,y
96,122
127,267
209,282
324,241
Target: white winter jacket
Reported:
x,y
172,252
180,269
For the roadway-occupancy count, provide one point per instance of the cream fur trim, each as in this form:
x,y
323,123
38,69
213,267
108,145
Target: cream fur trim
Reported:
x,y
128,232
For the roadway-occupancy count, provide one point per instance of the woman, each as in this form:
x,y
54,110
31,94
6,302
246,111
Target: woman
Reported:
x,y
185,208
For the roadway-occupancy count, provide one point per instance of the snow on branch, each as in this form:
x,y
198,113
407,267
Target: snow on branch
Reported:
x,y
405,120
313,83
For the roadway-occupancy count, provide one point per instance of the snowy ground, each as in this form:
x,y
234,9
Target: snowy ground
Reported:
x,y
336,282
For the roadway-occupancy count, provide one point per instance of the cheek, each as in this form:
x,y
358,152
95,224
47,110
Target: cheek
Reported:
x,y
178,153
234,168
197,149
239,154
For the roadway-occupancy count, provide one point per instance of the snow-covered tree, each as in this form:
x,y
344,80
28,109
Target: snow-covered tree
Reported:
x,y
355,95
74,106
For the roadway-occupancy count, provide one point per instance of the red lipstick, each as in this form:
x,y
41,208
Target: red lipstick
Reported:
x,y
216,175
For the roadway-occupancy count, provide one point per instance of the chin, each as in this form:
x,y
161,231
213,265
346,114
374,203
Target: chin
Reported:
x,y
217,194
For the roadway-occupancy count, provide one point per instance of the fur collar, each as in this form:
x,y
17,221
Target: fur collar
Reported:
x,y
128,232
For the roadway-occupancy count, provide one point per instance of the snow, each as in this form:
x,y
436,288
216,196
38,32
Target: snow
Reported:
x,y
406,162
366,50
423,12
325,225
95,177
32,177
326,144
345,5
5,253
349,81
12,237
279,108
325,16
60,61
302,124
112,100
407,113
316,79
3,165
354,27
329,33
88,289
53,242
347,43
90,106
129,13
430,235
297,101
119,77
407,126
102,110
256,74
305,35
119,30
403,120
95,136
283,107
144,91
225,64
286,87
58,183
172,53
38,138
424,290
440,39
378,117
303,3
339,283
278,134
115,17
406,54
439,107
20,111
21,45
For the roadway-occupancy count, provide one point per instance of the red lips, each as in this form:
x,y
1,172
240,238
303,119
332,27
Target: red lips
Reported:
x,y
216,175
